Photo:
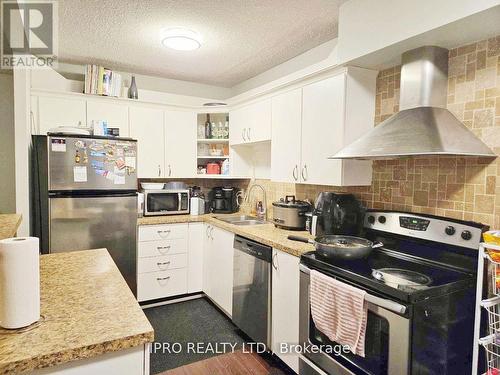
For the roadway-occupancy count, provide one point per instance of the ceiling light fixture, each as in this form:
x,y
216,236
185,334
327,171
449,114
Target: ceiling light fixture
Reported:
x,y
181,39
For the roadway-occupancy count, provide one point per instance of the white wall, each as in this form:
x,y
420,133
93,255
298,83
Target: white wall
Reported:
x,y
366,25
324,53
7,162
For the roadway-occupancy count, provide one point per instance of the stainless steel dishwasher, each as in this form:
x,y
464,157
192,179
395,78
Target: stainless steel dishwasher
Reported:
x,y
252,289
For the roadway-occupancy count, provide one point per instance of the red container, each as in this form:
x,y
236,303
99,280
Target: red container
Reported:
x,y
213,168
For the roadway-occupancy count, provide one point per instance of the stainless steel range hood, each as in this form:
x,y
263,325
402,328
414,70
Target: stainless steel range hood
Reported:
x,y
423,126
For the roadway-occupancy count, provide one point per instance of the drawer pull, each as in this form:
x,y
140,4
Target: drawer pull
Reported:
x,y
163,231
163,278
161,248
163,263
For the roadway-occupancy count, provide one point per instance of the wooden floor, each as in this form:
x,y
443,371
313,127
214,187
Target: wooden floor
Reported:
x,y
237,363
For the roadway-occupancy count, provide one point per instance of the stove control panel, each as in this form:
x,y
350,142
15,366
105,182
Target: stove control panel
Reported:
x,y
413,223
438,229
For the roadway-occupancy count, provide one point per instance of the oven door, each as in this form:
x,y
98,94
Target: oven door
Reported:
x,y
387,339
166,202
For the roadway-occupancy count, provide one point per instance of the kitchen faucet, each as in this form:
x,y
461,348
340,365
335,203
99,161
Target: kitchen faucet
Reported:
x,y
264,202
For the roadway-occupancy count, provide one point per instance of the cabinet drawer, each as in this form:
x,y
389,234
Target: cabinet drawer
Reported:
x,y
162,232
165,247
161,284
161,263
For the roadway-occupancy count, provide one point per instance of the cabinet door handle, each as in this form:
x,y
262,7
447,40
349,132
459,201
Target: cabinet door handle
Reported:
x,y
304,175
208,229
243,134
212,233
169,171
272,261
248,133
159,170
295,172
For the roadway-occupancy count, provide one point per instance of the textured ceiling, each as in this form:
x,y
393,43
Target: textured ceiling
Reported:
x,y
242,38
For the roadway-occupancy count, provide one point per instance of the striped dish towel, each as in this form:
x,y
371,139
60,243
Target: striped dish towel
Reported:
x,y
339,311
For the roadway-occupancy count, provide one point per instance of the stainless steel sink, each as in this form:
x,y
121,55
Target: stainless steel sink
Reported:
x,y
241,220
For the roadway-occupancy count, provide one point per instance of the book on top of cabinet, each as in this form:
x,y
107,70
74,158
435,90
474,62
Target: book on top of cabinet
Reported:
x,y
102,81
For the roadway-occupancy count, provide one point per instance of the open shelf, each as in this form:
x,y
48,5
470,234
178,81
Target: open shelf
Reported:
x,y
214,157
213,140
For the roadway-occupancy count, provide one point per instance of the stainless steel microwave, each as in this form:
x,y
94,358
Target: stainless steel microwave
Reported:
x,y
166,202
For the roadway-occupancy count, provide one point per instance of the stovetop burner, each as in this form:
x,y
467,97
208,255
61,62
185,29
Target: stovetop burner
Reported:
x,y
402,279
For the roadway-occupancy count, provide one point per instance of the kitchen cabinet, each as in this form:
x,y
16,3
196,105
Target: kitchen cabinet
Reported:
x,y
251,123
146,125
312,123
218,267
196,257
56,111
116,114
180,144
162,261
285,305
286,140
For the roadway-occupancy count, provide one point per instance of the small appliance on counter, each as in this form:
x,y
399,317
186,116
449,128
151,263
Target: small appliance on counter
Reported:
x,y
197,201
289,213
224,200
166,202
336,213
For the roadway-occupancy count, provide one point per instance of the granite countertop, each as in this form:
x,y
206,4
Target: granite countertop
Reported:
x,y
9,224
267,233
87,310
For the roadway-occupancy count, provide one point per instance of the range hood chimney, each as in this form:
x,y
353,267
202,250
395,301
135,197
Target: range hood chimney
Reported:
x,y
423,126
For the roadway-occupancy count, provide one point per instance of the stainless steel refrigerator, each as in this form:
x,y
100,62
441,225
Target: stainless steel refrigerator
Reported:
x,y
84,196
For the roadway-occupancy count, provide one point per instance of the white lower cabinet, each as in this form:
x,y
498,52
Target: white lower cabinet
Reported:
x,y
196,257
285,306
162,261
218,267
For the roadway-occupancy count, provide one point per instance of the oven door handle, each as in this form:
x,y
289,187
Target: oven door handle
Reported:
x,y
377,301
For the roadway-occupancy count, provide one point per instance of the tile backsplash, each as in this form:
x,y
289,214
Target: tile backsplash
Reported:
x,y
459,187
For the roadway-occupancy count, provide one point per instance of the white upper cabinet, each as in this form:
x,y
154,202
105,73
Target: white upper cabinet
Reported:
x,y
286,143
116,114
56,111
322,131
180,144
251,123
146,125
329,115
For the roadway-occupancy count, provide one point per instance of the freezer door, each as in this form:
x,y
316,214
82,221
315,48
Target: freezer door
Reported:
x,y
82,223
79,163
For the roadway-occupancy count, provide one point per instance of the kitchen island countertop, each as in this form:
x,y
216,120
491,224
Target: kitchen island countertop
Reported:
x,y
87,310
266,234
9,223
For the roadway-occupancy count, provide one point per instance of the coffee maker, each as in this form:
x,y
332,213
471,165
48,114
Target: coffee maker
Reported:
x,y
224,200
336,213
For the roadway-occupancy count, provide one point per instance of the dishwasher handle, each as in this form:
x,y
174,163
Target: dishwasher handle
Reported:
x,y
253,248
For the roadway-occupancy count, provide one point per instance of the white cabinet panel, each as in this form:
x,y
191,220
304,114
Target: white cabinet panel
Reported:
x,y
322,130
285,305
180,144
161,263
163,247
196,257
286,139
115,114
218,267
163,232
251,123
146,125
161,284
56,111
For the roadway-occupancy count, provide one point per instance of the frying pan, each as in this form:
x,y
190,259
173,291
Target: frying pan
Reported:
x,y
340,247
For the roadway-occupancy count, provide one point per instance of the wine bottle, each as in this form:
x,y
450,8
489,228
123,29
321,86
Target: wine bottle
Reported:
x,y
208,127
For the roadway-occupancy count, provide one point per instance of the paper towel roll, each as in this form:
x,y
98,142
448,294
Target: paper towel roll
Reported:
x,y
19,282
